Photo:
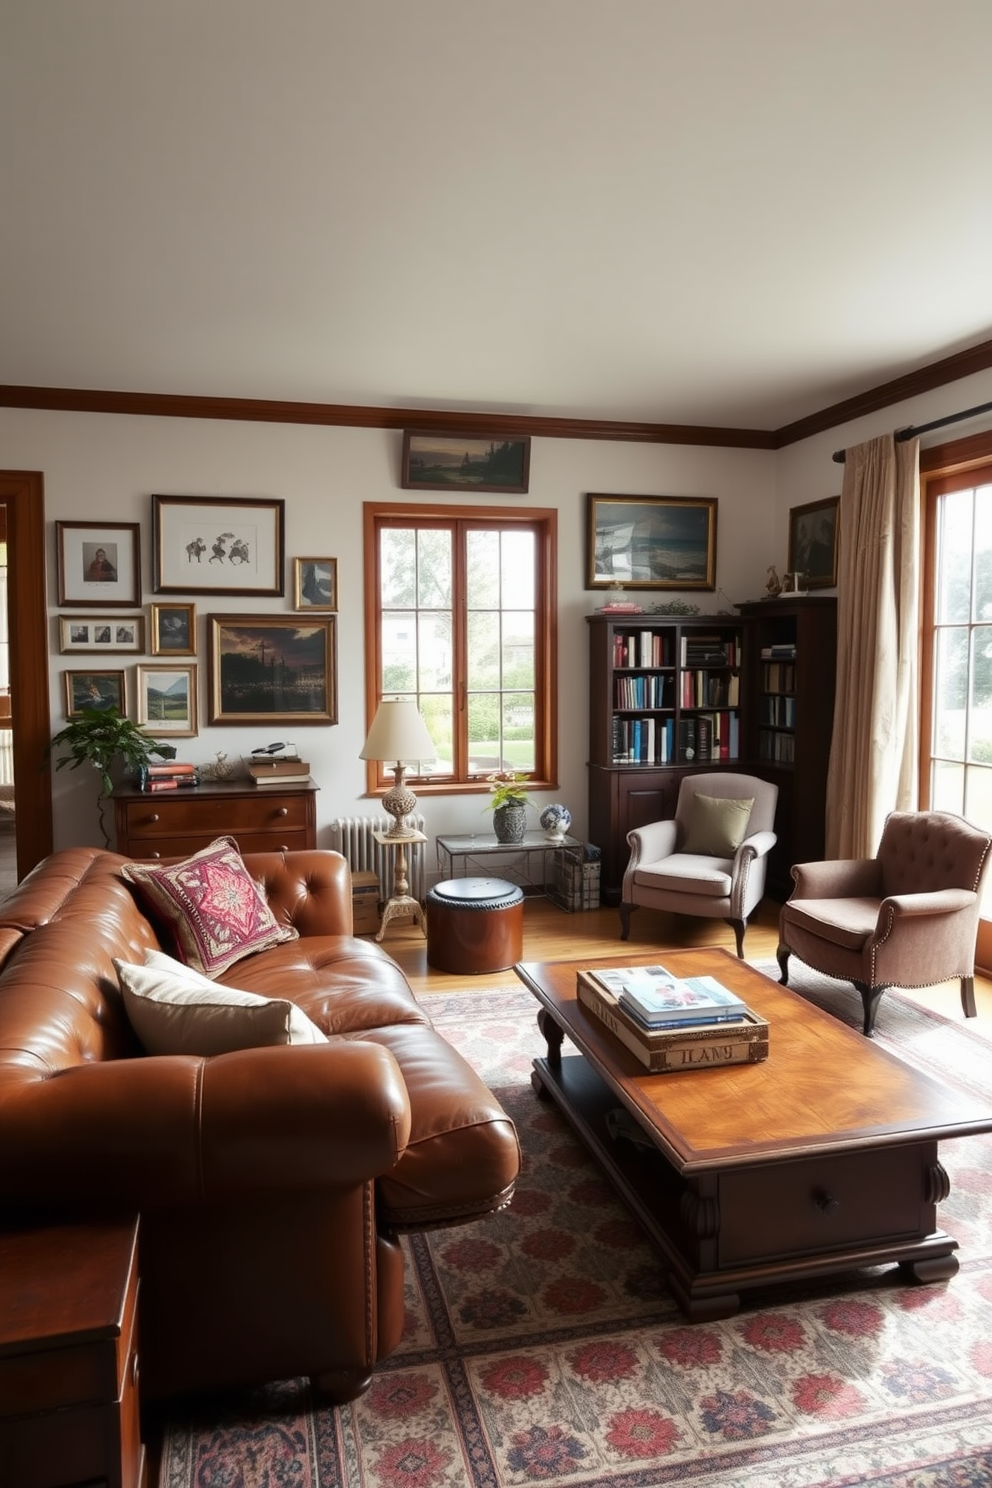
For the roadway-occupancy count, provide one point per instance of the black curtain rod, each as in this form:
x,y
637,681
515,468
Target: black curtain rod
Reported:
x,y
952,418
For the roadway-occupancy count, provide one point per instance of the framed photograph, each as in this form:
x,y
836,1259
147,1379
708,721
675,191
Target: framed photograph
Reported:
x,y
99,690
167,700
315,583
99,563
813,543
464,462
273,669
217,545
173,629
101,633
651,542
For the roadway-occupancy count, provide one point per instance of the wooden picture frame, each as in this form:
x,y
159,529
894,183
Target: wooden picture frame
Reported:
x,y
813,533
465,462
650,542
218,545
173,629
315,583
273,669
99,563
94,689
166,704
94,633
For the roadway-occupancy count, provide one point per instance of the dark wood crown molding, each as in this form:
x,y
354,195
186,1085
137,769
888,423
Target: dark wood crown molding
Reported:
x,y
275,411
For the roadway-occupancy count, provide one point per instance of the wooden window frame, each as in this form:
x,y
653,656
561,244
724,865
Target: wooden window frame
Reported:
x,y
544,520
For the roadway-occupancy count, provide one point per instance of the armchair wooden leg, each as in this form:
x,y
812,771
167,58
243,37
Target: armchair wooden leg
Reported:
x,y
782,955
871,997
625,913
968,997
738,927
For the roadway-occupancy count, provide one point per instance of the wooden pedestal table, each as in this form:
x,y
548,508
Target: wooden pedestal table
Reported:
x,y
820,1159
400,902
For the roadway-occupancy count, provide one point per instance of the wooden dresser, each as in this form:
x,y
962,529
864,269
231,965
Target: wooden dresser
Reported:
x,y
172,824
69,1409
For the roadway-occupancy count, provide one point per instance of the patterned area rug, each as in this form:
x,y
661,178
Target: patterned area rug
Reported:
x,y
542,1346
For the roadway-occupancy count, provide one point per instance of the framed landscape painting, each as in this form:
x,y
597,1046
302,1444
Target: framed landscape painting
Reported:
x,y
273,669
813,543
94,690
651,542
465,462
167,700
217,545
173,629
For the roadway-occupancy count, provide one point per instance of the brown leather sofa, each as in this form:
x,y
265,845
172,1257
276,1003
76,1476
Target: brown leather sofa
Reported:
x,y
273,1184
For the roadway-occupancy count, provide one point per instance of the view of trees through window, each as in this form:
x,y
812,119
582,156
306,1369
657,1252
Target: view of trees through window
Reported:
x,y
462,632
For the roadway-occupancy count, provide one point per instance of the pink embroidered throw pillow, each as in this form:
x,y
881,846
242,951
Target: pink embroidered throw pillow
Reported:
x,y
211,907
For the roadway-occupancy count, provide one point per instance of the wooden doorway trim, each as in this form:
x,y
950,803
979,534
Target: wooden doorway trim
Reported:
x,y
23,494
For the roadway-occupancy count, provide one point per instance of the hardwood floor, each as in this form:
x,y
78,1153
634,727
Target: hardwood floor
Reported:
x,y
552,935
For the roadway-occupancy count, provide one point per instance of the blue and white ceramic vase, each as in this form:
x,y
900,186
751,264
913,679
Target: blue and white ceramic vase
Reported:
x,y
556,820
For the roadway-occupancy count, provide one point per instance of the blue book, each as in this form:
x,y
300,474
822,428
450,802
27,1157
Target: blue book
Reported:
x,y
659,1000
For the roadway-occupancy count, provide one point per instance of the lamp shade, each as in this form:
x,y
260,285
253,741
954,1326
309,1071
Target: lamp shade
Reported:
x,y
398,733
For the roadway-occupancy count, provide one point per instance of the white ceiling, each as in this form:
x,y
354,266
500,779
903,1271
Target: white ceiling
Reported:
x,y
717,212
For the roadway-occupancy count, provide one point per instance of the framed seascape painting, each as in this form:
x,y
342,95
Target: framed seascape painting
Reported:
x,y
217,545
465,462
167,700
813,543
101,633
99,690
315,583
273,669
173,628
98,563
651,542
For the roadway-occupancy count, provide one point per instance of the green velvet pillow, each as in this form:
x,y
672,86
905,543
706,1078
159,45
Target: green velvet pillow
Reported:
x,y
717,826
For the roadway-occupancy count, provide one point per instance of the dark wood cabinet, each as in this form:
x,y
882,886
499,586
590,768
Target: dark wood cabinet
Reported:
x,y
172,824
665,699
790,710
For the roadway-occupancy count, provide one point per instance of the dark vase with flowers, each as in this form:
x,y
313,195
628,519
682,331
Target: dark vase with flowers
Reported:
x,y
510,822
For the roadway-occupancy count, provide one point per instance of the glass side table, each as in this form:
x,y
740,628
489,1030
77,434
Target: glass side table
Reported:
x,y
523,863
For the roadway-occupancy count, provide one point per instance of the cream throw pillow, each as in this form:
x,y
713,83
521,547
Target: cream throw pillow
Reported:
x,y
175,1010
717,826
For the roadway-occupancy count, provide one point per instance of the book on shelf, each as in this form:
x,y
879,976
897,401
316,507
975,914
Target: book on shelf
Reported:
x,y
657,998
672,1050
170,768
278,769
268,782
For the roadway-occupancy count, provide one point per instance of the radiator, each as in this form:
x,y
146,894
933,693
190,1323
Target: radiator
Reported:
x,y
354,840
6,757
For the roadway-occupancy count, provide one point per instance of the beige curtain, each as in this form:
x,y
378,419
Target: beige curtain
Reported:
x,y
873,754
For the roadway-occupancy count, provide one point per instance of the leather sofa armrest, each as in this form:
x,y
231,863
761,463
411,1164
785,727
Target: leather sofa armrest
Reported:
x,y
175,1130
309,890
840,878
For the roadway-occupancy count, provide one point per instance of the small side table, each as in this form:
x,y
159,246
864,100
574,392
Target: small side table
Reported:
x,y
400,901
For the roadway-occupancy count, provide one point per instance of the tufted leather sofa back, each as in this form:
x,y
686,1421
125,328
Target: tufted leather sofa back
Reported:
x,y
925,851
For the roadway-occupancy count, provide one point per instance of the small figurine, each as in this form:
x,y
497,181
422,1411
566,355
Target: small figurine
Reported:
x,y
773,584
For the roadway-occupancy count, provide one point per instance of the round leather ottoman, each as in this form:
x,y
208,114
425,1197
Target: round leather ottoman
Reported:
x,y
474,925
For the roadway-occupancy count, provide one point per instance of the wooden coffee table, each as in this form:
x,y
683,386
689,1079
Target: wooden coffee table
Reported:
x,y
820,1159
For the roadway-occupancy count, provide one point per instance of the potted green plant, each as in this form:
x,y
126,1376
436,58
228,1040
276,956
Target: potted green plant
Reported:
x,y
102,737
508,804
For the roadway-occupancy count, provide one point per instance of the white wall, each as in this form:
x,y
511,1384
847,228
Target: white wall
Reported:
x,y
100,467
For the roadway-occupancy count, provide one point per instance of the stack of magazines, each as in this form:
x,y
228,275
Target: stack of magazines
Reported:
x,y
673,1023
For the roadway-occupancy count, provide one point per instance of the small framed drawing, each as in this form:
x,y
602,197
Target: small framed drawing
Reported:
x,y
813,532
99,691
315,583
465,462
101,633
651,542
99,563
167,700
217,545
273,669
173,629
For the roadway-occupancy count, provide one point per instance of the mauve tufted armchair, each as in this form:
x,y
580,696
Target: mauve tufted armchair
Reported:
x,y
905,918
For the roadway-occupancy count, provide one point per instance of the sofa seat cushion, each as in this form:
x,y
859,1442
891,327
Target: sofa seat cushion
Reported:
x,y
843,922
688,873
345,985
175,1010
462,1157
209,906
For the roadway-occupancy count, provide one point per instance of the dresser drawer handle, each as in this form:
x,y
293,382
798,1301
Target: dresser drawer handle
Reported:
x,y
283,811
154,817
826,1202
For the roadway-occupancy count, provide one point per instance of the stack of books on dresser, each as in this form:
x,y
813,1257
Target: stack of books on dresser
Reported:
x,y
281,770
171,775
673,1023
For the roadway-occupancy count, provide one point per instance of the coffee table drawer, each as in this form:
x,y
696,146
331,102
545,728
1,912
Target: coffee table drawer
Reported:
x,y
822,1203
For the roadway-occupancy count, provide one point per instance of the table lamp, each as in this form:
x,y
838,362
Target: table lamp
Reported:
x,y
398,734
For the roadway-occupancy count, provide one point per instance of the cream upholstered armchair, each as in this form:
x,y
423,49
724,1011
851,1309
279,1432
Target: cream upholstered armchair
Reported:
x,y
906,918
711,858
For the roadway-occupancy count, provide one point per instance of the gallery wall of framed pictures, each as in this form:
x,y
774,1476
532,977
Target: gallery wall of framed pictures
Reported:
x,y
276,668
